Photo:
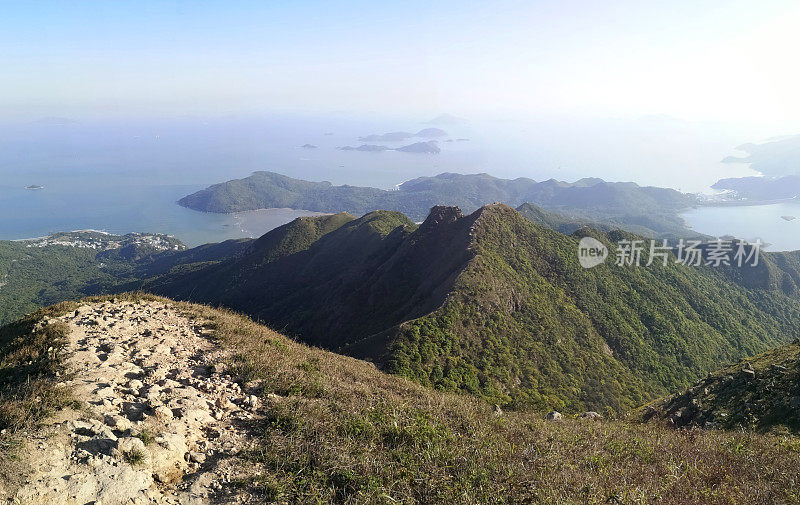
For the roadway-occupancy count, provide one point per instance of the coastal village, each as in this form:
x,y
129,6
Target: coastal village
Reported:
x,y
102,241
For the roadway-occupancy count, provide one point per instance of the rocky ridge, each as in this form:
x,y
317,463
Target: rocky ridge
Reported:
x,y
160,422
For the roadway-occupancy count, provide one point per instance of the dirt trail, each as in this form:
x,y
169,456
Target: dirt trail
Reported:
x,y
160,423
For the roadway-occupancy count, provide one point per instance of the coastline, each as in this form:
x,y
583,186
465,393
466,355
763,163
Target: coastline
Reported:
x,y
748,203
87,230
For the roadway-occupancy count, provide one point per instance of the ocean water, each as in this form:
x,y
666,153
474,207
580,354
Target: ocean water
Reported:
x,y
763,222
124,176
125,208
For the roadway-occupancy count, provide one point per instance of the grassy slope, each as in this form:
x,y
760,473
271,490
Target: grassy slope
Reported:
x,y
343,432
30,357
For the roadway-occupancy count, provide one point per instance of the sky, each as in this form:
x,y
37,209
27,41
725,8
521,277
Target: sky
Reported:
x,y
713,60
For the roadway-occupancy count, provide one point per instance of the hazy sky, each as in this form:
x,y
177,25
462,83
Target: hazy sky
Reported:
x,y
709,59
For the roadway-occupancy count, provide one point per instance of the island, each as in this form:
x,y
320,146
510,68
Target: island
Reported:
x,y
430,133
34,187
427,133
387,137
308,146
365,147
429,147
621,204
776,158
758,190
445,119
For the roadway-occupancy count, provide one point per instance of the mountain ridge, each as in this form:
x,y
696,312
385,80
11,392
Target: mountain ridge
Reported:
x,y
471,302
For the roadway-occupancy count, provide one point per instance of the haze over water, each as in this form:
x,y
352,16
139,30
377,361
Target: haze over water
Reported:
x,y
125,176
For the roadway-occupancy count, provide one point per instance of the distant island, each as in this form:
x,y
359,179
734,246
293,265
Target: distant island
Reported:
x,y
308,146
776,158
34,187
365,147
753,190
418,147
387,137
646,210
429,147
428,133
446,119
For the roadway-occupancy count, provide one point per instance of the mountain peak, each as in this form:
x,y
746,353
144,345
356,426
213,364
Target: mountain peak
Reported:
x,y
442,214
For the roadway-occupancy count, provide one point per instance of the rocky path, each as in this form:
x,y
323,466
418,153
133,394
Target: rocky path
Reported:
x,y
159,422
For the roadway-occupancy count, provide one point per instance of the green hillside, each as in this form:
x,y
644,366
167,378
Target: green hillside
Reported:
x,y
495,305
63,266
67,266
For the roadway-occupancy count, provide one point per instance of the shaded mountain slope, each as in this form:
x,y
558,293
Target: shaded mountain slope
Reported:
x,y
375,271
495,305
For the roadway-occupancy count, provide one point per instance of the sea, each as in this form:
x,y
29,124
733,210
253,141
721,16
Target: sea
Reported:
x,y
126,175
777,226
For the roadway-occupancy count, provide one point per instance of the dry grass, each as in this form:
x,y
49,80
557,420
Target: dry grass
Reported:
x,y
31,357
343,432
31,360
340,431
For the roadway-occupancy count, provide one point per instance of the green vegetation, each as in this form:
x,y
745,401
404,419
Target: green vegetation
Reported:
x,y
69,266
134,457
568,223
31,366
488,304
494,305
526,325
646,210
146,436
